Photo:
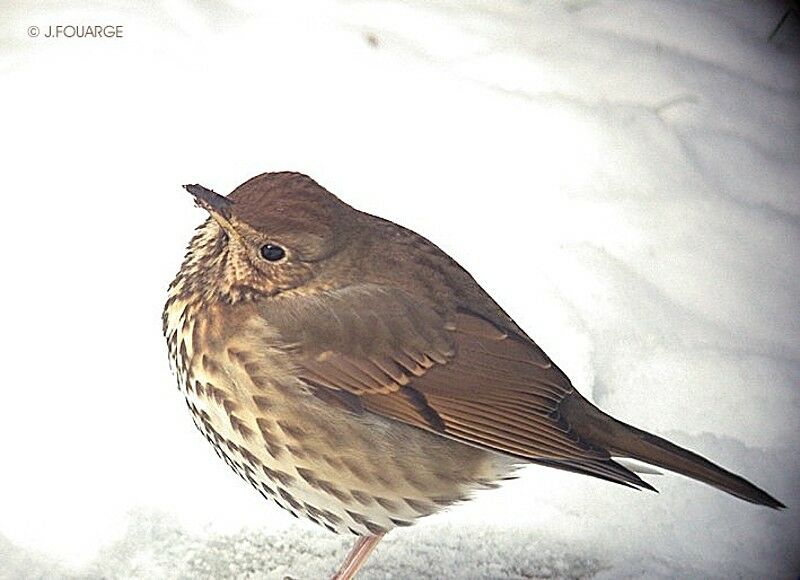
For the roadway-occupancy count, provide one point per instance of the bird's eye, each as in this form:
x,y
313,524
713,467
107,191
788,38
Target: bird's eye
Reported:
x,y
272,252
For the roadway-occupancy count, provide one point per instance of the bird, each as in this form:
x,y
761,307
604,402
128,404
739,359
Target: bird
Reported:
x,y
355,374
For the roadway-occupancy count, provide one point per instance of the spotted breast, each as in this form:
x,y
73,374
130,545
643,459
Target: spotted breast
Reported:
x,y
335,466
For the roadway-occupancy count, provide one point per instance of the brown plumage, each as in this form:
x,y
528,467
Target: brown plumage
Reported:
x,y
357,375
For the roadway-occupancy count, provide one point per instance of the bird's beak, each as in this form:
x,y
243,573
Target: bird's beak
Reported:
x,y
217,205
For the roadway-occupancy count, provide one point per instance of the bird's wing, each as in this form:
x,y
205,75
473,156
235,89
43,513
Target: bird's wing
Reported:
x,y
379,350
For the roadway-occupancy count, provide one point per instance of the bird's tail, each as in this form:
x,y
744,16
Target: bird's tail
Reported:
x,y
623,440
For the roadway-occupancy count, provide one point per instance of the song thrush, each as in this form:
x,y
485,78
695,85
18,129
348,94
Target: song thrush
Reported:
x,y
355,374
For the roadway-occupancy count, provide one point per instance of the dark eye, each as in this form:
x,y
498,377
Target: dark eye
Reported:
x,y
272,252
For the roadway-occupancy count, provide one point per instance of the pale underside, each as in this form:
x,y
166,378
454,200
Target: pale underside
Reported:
x,y
358,473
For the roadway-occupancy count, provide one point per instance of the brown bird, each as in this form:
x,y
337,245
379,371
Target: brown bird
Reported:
x,y
354,373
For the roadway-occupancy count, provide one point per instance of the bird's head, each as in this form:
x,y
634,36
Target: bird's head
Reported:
x,y
272,234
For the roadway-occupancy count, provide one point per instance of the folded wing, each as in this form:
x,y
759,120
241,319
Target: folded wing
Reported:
x,y
456,374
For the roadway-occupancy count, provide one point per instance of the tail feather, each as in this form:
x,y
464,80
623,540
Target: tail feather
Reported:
x,y
623,440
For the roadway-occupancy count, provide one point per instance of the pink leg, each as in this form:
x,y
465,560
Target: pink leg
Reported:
x,y
357,556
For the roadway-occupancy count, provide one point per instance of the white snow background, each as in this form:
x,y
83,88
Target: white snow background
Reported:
x,y
623,177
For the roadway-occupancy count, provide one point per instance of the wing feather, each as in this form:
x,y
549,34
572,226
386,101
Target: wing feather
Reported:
x,y
454,373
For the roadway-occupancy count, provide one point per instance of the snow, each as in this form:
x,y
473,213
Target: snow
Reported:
x,y
621,176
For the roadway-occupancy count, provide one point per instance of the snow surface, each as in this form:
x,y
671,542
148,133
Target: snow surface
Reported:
x,y
621,176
